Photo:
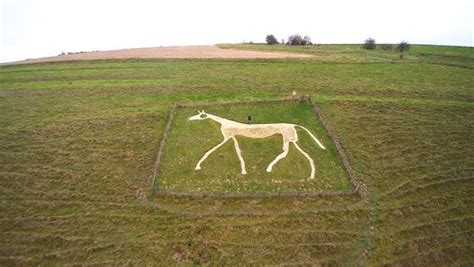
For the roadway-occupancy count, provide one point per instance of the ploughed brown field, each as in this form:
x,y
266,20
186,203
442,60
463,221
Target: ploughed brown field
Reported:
x,y
198,51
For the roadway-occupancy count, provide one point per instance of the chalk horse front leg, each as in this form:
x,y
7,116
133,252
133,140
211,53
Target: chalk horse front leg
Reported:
x,y
198,165
239,154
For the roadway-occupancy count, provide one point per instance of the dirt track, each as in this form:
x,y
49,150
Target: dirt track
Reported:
x,y
207,51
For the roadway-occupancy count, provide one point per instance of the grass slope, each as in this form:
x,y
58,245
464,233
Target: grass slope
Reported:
x,y
444,55
78,139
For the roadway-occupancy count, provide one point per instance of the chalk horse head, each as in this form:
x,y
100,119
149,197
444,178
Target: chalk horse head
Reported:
x,y
200,116
230,129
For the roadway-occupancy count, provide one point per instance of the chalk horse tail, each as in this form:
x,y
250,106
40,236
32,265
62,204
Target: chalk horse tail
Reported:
x,y
311,134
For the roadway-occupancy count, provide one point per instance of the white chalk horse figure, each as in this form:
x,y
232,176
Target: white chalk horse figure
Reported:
x,y
230,129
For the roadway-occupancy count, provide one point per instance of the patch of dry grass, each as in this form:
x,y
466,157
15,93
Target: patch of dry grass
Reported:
x,y
420,175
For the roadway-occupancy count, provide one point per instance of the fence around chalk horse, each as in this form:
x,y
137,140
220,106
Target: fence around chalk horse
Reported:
x,y
359,187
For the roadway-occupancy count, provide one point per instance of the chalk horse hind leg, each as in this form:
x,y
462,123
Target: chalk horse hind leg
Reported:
x,y
311,162
286,147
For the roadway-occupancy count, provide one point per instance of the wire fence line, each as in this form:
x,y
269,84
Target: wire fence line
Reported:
x,y
157,161
356,183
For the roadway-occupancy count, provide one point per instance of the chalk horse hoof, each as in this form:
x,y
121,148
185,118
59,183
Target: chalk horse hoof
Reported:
x,y
197,168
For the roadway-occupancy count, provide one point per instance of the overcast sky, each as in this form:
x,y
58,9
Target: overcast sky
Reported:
x,y
37,28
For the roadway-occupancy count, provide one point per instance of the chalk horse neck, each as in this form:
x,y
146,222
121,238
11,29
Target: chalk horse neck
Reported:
x,y
230,129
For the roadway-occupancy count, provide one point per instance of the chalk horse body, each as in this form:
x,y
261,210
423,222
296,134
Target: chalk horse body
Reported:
x,y
230,129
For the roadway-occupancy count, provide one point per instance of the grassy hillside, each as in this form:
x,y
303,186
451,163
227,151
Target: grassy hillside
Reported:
x,y
78,140
444,55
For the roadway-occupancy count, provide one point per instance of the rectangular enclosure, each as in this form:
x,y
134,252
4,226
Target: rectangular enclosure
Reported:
x,y
188,141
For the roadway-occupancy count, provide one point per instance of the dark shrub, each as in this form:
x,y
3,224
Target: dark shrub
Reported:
x,y
307,40
296,39
403,46
369,44
271,40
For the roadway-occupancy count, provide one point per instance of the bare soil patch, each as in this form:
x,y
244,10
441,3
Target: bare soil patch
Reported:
x,y
204,51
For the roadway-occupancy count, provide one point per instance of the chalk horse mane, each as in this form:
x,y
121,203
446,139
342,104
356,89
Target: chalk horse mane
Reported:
x,y
230,129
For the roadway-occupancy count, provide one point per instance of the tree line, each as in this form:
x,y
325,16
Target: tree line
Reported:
x,y
369,44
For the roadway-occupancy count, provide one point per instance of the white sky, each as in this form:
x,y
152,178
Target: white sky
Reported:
x,y
37,28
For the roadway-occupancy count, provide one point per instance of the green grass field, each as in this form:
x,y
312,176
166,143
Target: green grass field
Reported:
x,y
189,140
78,141
443,55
